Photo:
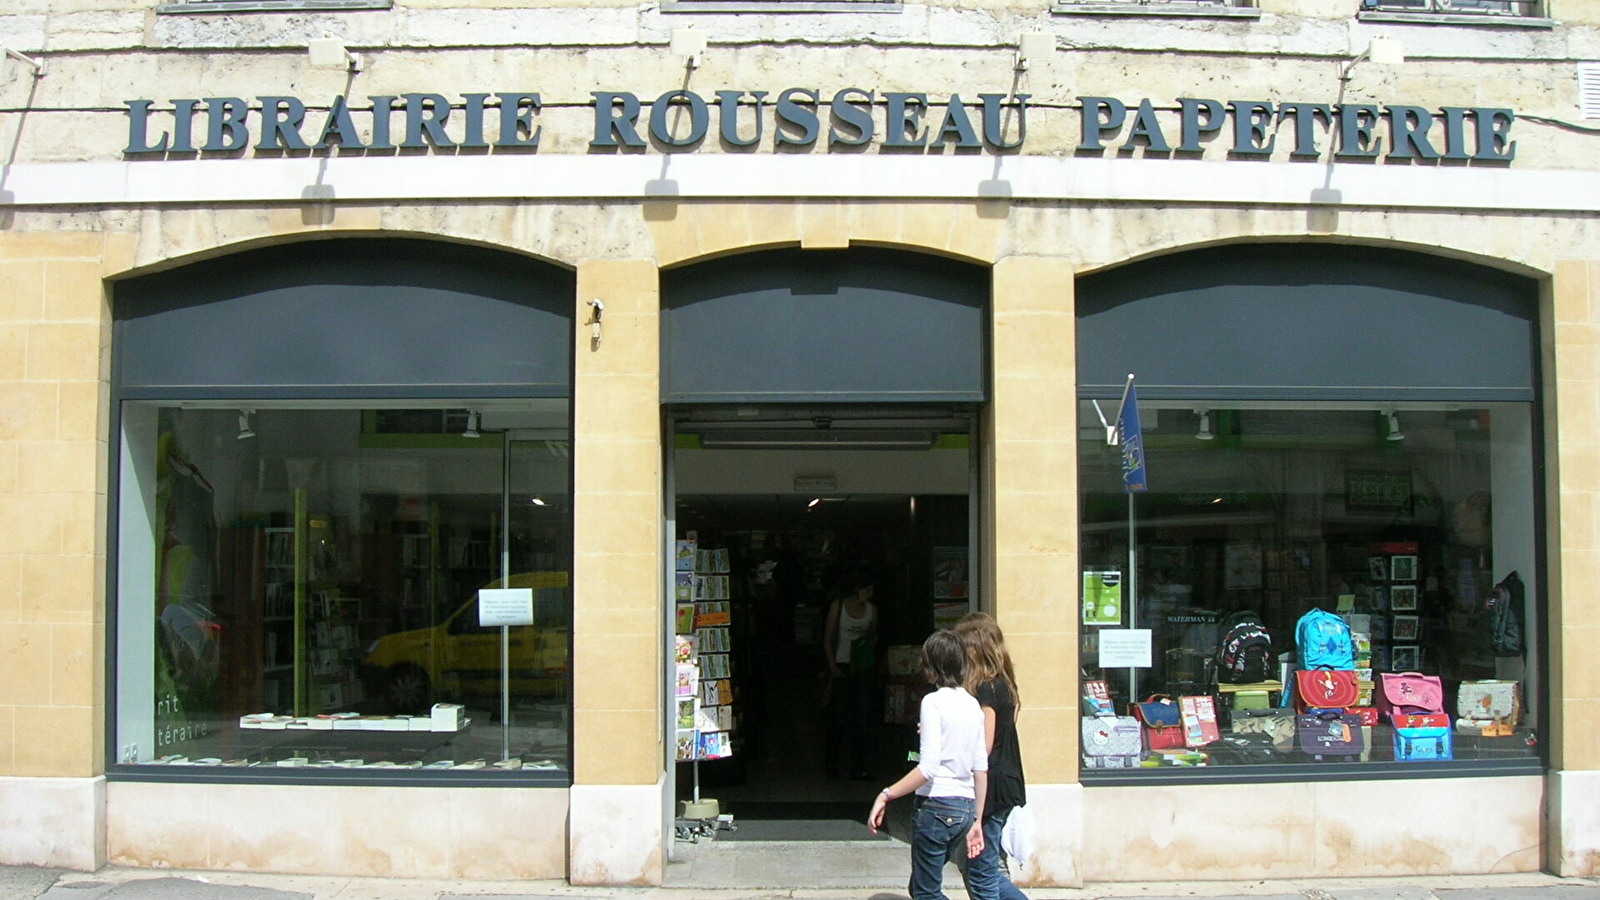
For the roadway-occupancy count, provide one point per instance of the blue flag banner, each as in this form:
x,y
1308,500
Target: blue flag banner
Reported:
x,y
1130,437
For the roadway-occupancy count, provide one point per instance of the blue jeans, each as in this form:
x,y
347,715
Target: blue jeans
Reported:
x,y
939,827
985,879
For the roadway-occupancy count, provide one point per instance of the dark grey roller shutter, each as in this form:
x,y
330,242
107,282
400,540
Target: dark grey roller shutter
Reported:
x,y
1308,321
825,325
351,317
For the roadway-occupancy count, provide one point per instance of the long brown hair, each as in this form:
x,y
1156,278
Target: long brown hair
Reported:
x,y
987,658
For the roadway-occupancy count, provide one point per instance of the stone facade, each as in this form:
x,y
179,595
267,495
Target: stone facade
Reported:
x,y
58,260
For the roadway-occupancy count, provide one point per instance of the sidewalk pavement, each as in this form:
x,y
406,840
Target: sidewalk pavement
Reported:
x,y
26,883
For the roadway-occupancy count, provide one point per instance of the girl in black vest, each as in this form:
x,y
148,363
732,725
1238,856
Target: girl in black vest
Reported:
x,y
989,677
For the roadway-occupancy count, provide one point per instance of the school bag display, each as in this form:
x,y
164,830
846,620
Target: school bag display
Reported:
x,y
1324,641
1245,654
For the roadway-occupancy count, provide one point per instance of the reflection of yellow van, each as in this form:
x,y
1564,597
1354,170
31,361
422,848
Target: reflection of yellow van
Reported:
x,y
459,659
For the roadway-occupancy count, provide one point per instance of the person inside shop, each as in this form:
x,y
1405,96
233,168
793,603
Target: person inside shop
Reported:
x,y
850,652
951,778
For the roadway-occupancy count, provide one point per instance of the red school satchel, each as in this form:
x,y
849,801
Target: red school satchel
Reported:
x,y
1408,692
1163,723
1326,688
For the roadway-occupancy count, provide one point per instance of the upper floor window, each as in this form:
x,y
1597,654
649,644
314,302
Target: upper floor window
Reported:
x,y
222,6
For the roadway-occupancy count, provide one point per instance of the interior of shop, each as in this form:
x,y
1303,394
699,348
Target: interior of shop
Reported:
x,y
771,536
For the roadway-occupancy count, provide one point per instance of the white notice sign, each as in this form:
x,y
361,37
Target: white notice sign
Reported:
x,y
1124,648
506,606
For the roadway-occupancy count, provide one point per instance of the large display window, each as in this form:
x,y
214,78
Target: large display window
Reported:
x,y
1333,558
298,586
1319,585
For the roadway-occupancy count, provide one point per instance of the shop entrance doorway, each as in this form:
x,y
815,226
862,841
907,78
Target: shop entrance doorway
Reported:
x,y
776,513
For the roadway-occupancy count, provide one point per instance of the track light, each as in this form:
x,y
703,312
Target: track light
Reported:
x,y
1394,426
1204,434
472,425
245,431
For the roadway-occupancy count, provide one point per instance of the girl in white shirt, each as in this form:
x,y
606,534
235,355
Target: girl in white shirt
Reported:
x,y
951,777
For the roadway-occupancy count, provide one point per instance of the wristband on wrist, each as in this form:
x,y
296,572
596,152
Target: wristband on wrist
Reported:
x,y
887,795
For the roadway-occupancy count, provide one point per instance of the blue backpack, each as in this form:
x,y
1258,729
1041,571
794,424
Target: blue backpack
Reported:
x,y
1324,641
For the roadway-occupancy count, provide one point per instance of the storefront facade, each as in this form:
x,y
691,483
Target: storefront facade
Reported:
x,y
268,416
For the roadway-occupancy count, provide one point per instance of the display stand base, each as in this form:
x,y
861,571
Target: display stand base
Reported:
x,y
699,809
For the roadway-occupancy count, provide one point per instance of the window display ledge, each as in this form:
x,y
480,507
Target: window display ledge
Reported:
x,y
340,777
1177,775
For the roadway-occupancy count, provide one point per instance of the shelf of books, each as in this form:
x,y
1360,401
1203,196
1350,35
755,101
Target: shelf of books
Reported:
x,y
703,649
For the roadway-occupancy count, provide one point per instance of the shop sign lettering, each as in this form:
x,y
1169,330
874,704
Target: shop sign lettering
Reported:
x,y
682,120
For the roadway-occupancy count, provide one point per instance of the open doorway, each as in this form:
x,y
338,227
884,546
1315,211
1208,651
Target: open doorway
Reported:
x,y
779,515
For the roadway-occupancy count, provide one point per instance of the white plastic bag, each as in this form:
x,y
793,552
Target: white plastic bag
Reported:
x,y
1016,838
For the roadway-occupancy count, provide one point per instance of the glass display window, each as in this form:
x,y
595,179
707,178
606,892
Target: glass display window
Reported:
x,y
1319,583
299,586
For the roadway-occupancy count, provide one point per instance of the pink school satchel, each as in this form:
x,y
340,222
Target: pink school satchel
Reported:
x,y
1408,692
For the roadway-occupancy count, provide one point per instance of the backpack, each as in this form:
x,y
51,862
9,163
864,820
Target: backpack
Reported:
x,y
1324,641
1245,654
1505,629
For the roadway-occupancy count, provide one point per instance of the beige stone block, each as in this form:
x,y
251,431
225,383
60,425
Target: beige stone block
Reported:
x,y
1580,466
58,589
672,231
1580,568
25,665
1036,523
83,522
1576,333
773,223
1033,284
21,289
618,465
1577,363
1573,292
7,740
722,227
619,523
1033,466
13,353
50,245
10,588
1049,737
83,411
1577,517
875,222
119,252
620,582
1036,592
617,746
27,412
73,652
976,231
64,352
1035,408
57,466
1036,343
74,291
60,740
1578,411
629,343
616,406
31,523
824,226
928,225
1579,726
628,286
617,672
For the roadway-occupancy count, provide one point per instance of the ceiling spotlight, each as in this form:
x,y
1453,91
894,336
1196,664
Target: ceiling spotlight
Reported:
x,y
245,431
1394,426
537,501
813,503
472,425
1204,434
